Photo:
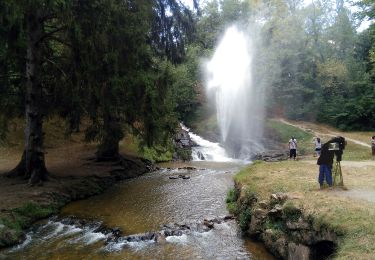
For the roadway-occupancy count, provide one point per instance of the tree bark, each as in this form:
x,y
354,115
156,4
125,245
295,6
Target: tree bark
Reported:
x,y
32,165
108,150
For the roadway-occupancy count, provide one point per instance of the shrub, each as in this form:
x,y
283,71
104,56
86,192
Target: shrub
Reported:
x,y
232,208
244,219
232,195
291,212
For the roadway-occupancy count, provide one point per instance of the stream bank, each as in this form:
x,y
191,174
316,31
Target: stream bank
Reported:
x,y
281,205
23,205
284,228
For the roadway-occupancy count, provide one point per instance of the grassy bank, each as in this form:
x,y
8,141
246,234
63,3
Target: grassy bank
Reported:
x,y
352,219
73,176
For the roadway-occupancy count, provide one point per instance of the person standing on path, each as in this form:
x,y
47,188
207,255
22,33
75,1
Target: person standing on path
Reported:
x,y
373,146
293,148
318,146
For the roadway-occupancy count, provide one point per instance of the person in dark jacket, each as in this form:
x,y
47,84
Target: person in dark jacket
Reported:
x,y
325,161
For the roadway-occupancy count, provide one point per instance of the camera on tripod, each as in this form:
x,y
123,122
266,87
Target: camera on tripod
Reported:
x,y
336,146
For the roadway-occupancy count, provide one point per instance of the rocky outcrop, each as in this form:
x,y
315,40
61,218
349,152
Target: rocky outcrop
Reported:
x,y
285,229
271,156
183,145
115,235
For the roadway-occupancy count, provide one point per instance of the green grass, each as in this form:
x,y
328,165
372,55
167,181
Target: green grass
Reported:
x,y
34,210
284,132
356,152
21,217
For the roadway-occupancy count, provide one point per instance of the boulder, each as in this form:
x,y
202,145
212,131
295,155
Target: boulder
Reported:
x,y
276,211
263,204
297,225
278,198
298,252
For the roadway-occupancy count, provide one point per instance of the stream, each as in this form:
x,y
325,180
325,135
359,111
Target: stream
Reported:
x,y
149,203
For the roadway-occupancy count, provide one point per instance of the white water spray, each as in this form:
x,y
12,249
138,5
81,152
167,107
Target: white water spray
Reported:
x,y
239,104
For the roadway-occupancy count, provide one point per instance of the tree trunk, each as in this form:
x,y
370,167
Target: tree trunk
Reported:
x,y
32,165
108,150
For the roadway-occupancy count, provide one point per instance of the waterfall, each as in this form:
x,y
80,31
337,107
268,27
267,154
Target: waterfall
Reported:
x,y
208,150
239,103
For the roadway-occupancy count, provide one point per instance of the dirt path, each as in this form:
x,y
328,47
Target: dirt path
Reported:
x,y
321,130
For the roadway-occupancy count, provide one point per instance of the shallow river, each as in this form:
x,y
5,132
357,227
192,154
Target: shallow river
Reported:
x,y
145,204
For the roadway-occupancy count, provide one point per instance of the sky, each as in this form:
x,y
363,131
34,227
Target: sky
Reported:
x,y
363,26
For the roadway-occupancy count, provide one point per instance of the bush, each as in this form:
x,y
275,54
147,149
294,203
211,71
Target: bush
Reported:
x,y
184,154
291,212
232,195
231,200
232,208
156,155
244,219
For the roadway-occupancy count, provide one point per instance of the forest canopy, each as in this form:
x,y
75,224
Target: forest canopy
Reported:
x,y
134,65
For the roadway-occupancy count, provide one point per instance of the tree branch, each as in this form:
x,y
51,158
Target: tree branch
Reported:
x,y
53,38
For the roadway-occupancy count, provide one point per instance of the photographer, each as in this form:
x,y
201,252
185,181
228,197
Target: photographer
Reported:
x,y
325,161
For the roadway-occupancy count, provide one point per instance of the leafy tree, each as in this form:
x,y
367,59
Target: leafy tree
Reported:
x,y
33,25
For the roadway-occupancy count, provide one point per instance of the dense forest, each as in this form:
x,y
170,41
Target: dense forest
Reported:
x,y
133,66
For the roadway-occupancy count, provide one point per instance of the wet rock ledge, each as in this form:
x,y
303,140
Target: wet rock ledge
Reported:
x,y
286,231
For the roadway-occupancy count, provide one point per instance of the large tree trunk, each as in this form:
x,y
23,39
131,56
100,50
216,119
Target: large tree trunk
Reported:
x,y
32,165
108,150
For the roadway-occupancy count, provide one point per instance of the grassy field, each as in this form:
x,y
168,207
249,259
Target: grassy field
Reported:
x,y
285,132
350,212
306,131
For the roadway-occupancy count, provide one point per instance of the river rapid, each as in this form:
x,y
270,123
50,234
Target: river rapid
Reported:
x,y
147,204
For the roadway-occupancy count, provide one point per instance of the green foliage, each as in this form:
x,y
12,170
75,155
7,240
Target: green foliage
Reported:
x,y
291,212
277,228
232,195
156,154
29,212
244,219
284,132
184,154
233,208
35,211
231,200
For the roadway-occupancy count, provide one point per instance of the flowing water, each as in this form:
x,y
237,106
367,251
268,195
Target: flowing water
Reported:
x,y
145,204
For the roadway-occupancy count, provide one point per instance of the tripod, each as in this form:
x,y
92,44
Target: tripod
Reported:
x,y
337,175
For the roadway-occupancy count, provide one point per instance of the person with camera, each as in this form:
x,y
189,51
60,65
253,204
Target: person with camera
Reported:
x,y
333,147
325,162
373,146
